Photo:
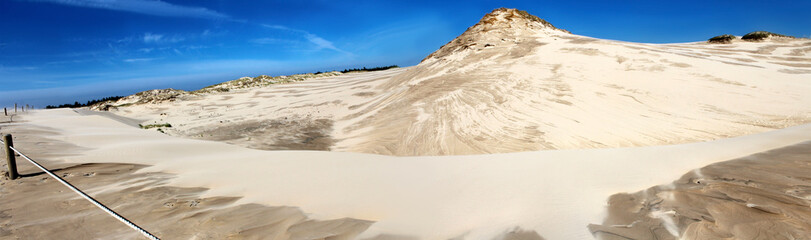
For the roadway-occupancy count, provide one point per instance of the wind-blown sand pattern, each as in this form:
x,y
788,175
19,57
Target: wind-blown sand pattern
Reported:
x,y
514,130
555,194
512,83
763,196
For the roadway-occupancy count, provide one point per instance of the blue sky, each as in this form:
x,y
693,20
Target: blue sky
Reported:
x,y
60,51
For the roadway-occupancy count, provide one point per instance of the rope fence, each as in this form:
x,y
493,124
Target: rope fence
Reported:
x,y
12,174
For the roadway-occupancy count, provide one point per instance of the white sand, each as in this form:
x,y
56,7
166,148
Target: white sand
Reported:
x,y
517,90
557,193
550,91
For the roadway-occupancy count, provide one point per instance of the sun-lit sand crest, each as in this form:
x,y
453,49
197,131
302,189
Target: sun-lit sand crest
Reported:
x,y
514,127
512,83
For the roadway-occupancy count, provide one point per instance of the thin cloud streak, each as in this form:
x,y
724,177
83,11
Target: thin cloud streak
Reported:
x,y
149,37
132,60
273,41
319,42
158,38
148,7
4,68
160,8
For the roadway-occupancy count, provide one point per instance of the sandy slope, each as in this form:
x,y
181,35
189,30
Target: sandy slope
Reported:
x,y
763,196
556,193
512,83
38,207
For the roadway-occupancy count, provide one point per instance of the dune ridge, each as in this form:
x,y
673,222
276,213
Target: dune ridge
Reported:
x,y
514,83
516,129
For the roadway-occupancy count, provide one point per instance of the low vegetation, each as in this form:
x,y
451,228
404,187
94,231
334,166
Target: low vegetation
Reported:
x,y
761,35
159,95
265,80
364,69
159,126
726,38
261,81
167,125
88,103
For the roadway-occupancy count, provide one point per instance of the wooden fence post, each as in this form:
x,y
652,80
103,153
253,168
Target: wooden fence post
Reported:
x,y
15,107
12,160
5,110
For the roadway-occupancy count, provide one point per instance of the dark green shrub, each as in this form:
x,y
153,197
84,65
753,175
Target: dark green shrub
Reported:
x,y
88,103
364,69
726,38
155,126
760,35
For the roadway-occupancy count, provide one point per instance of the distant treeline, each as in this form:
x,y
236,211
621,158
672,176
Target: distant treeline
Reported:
x,y
369,69
88,103
365,69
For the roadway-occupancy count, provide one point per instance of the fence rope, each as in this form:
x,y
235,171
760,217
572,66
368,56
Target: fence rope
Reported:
x,y
93,201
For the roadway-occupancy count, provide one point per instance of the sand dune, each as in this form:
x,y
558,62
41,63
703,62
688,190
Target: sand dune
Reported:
x,y
611,117
515,83
37,207
553,193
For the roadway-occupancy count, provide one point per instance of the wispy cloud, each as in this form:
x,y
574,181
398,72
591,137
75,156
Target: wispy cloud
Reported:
x,y
159,38
148,7
273,41
149,37
4,68
319,42
279,27
118,47
133,60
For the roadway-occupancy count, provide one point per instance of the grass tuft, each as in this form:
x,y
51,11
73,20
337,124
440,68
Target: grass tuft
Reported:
x,y
155,126
726,38
761,35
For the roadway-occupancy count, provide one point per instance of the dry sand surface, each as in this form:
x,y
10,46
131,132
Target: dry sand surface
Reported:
x,y
555,194
511,84
38,207
763,196
451,148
